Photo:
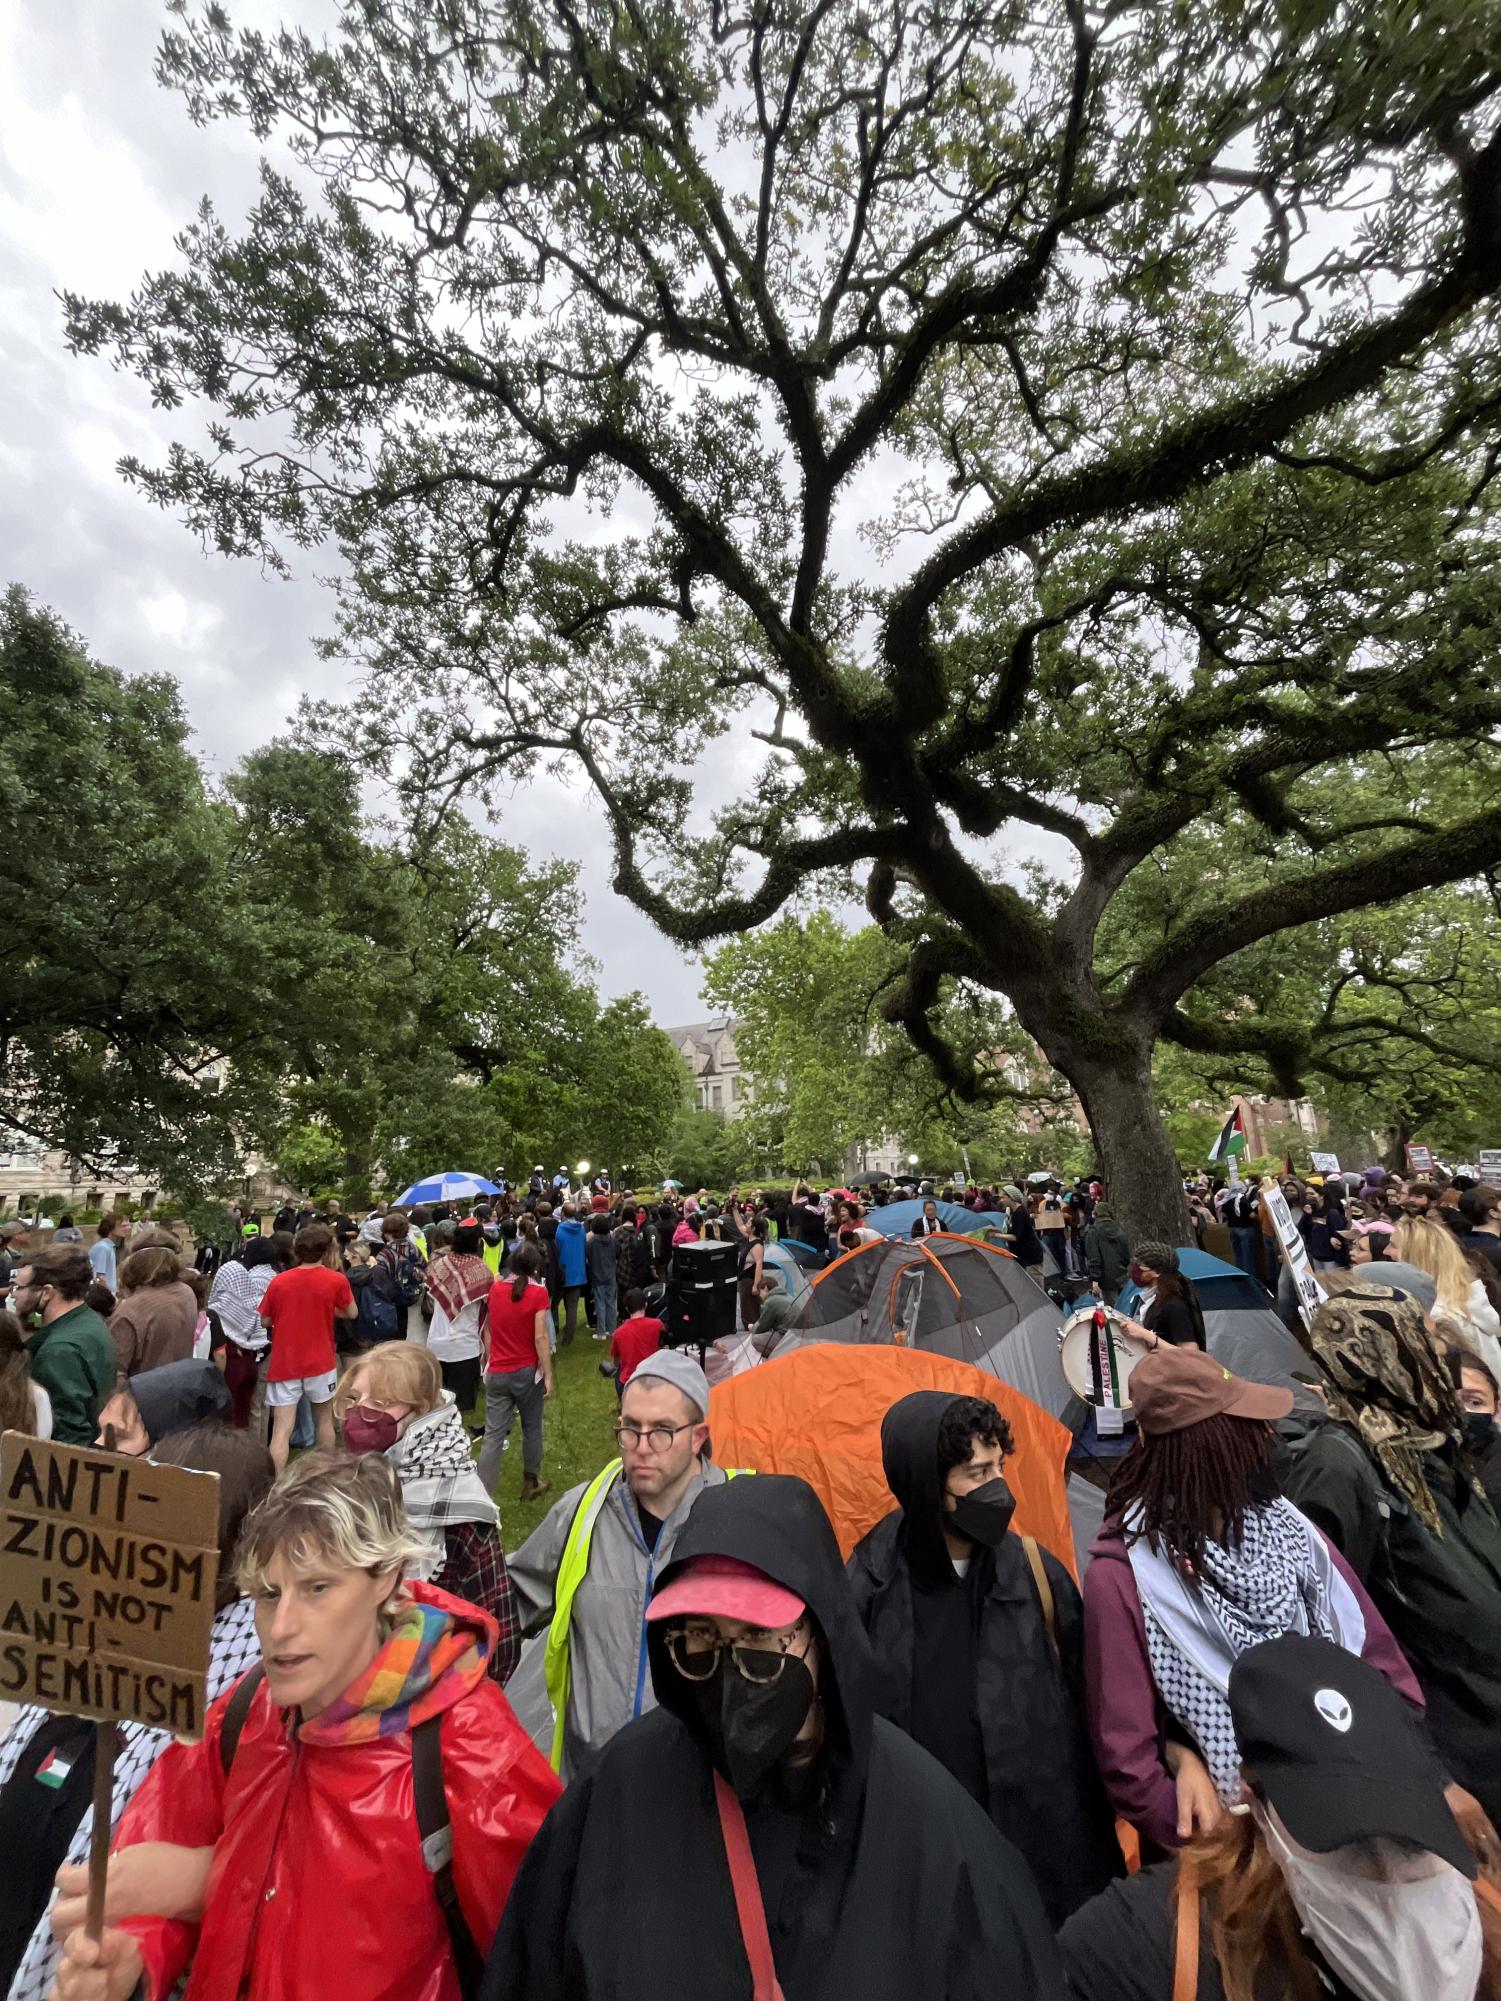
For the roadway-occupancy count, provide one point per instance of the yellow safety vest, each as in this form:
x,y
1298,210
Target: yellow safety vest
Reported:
x,y
556,1658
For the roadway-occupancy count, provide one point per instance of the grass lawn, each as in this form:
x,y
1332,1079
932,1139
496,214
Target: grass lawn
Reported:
x,y
576,1438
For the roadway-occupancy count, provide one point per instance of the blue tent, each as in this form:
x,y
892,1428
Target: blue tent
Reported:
x,y
895,1219
1243,1330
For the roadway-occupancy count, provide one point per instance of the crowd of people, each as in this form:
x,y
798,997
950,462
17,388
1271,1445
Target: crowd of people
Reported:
x,y
1257,1752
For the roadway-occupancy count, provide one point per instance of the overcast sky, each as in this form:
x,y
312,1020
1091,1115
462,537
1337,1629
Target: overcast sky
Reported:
x,y
99,168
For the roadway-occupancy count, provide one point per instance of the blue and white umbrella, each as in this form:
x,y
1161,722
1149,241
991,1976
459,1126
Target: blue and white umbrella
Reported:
x,y
446,1188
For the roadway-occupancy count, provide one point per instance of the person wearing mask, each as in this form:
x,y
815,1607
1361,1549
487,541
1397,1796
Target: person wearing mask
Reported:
x,y
299,1310
1480,1397
1389,1483
394,1401
157,1312
1342,1873
104,1253
306,1776
1197,1561
46,1763
519,1373
1169,1306
70,1354
782,1836
239,1286
637,1336
458,1284
24,1405
978,1638
588,1569
603,1283
1107,1254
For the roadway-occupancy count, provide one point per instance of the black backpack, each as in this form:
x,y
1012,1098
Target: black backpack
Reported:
x,y
433,1824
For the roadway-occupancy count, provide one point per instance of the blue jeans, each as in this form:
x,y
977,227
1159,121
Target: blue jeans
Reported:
x,y
1244,1246
604,1309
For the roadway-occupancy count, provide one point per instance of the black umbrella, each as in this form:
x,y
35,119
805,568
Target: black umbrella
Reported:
x,y
866,1180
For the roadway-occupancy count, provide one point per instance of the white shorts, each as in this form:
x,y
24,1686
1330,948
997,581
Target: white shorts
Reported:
x,y
317,1389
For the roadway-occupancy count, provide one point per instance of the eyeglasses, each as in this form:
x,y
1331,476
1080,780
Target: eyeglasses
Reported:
x,y
695,1652
658,1436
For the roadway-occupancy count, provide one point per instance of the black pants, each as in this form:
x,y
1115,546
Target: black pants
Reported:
x,y
463,1379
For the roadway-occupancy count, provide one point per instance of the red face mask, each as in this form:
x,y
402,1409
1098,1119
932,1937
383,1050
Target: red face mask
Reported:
x,y
369,1430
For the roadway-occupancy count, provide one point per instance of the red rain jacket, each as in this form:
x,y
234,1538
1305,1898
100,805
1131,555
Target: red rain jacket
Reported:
x,y
318,1885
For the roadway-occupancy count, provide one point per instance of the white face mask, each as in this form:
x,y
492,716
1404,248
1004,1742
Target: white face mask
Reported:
x,y
1393,1922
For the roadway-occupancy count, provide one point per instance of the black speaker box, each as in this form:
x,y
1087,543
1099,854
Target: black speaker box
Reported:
x,y
697,1318
704,1264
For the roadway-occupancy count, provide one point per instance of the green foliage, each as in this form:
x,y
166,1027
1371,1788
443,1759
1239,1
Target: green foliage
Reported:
x,y
708,1150
1004,417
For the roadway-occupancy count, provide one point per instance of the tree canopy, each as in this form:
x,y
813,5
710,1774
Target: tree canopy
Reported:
x,y
1045,423
192,975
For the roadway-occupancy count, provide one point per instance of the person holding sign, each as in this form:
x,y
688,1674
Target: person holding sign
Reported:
x,y
45,1761
332,1837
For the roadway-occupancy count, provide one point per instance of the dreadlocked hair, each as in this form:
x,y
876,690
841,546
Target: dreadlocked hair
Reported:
x,y
1192,1486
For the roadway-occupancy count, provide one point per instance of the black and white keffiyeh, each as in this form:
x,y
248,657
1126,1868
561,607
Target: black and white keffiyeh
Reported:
x,y
232,1651
440,1484
1278,1579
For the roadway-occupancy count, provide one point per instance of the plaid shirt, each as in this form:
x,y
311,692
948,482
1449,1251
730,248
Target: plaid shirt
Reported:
x,y
476,1571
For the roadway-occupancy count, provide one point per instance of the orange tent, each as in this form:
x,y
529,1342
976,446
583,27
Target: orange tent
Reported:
x,y
817,1413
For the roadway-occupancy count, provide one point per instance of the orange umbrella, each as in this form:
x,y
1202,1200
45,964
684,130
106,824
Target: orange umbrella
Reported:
x,y
817,1413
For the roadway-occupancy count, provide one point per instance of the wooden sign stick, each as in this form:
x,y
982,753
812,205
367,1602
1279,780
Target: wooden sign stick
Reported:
x,y
105,1739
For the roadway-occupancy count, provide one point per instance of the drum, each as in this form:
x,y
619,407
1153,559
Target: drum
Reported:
x,y
1097,1361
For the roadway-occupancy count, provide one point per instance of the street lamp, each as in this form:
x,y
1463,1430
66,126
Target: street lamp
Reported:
x,y
912,1160
582,1168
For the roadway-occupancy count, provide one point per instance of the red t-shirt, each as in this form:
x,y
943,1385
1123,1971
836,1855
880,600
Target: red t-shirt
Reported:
x,y
513,1327
634,1340
300,1306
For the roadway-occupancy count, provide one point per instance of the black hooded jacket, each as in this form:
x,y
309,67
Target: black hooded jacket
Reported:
x,y
881,1880
967,1662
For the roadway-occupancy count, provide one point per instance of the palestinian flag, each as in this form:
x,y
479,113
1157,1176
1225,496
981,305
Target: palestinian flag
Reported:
x,y
1232,1139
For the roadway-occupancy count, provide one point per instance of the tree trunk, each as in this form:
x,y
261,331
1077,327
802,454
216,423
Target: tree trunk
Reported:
x,y
1141,1174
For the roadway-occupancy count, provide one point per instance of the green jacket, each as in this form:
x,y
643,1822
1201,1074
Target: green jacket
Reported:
x,y
74,1361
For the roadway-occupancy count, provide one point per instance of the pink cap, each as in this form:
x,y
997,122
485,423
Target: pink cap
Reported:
x,y
730,1588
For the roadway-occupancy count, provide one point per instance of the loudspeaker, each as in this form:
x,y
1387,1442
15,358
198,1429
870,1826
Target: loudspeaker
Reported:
x,y
701,1294
704,1264
697,1319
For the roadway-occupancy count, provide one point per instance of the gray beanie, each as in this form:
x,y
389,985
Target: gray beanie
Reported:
x,y
672,1365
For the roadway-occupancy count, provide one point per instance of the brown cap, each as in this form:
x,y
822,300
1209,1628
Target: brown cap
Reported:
x,y
1175,1387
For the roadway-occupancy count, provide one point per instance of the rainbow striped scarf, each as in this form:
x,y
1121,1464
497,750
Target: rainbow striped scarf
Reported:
x,y
411,1678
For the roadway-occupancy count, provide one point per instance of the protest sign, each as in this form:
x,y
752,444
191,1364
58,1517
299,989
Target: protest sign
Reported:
x,y
1490,1165
107,1574
1294,1251
1325,1163
1420,1159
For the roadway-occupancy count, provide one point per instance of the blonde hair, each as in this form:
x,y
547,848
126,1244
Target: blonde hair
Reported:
x,y
339,1508
1432,1248
395,1372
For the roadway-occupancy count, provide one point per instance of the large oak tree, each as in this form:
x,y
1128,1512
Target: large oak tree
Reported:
x,y
1029,422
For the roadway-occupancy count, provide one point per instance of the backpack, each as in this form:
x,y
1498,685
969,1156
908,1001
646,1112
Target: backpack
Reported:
x,y
375,1296
433,1824
405,1268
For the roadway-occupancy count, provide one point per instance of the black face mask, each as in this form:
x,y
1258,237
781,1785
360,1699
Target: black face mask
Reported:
x,y
751,1726
985,1514
1262,1484
1479,1429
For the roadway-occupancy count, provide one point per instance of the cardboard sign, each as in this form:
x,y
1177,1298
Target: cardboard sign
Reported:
x,y
1294,1251
1420,1159
107,1574
1325,1163
1490,1165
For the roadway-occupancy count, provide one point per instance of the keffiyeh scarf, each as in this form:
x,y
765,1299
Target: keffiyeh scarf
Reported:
x,y
439,1482
1278,1579
457,1282
410,1679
